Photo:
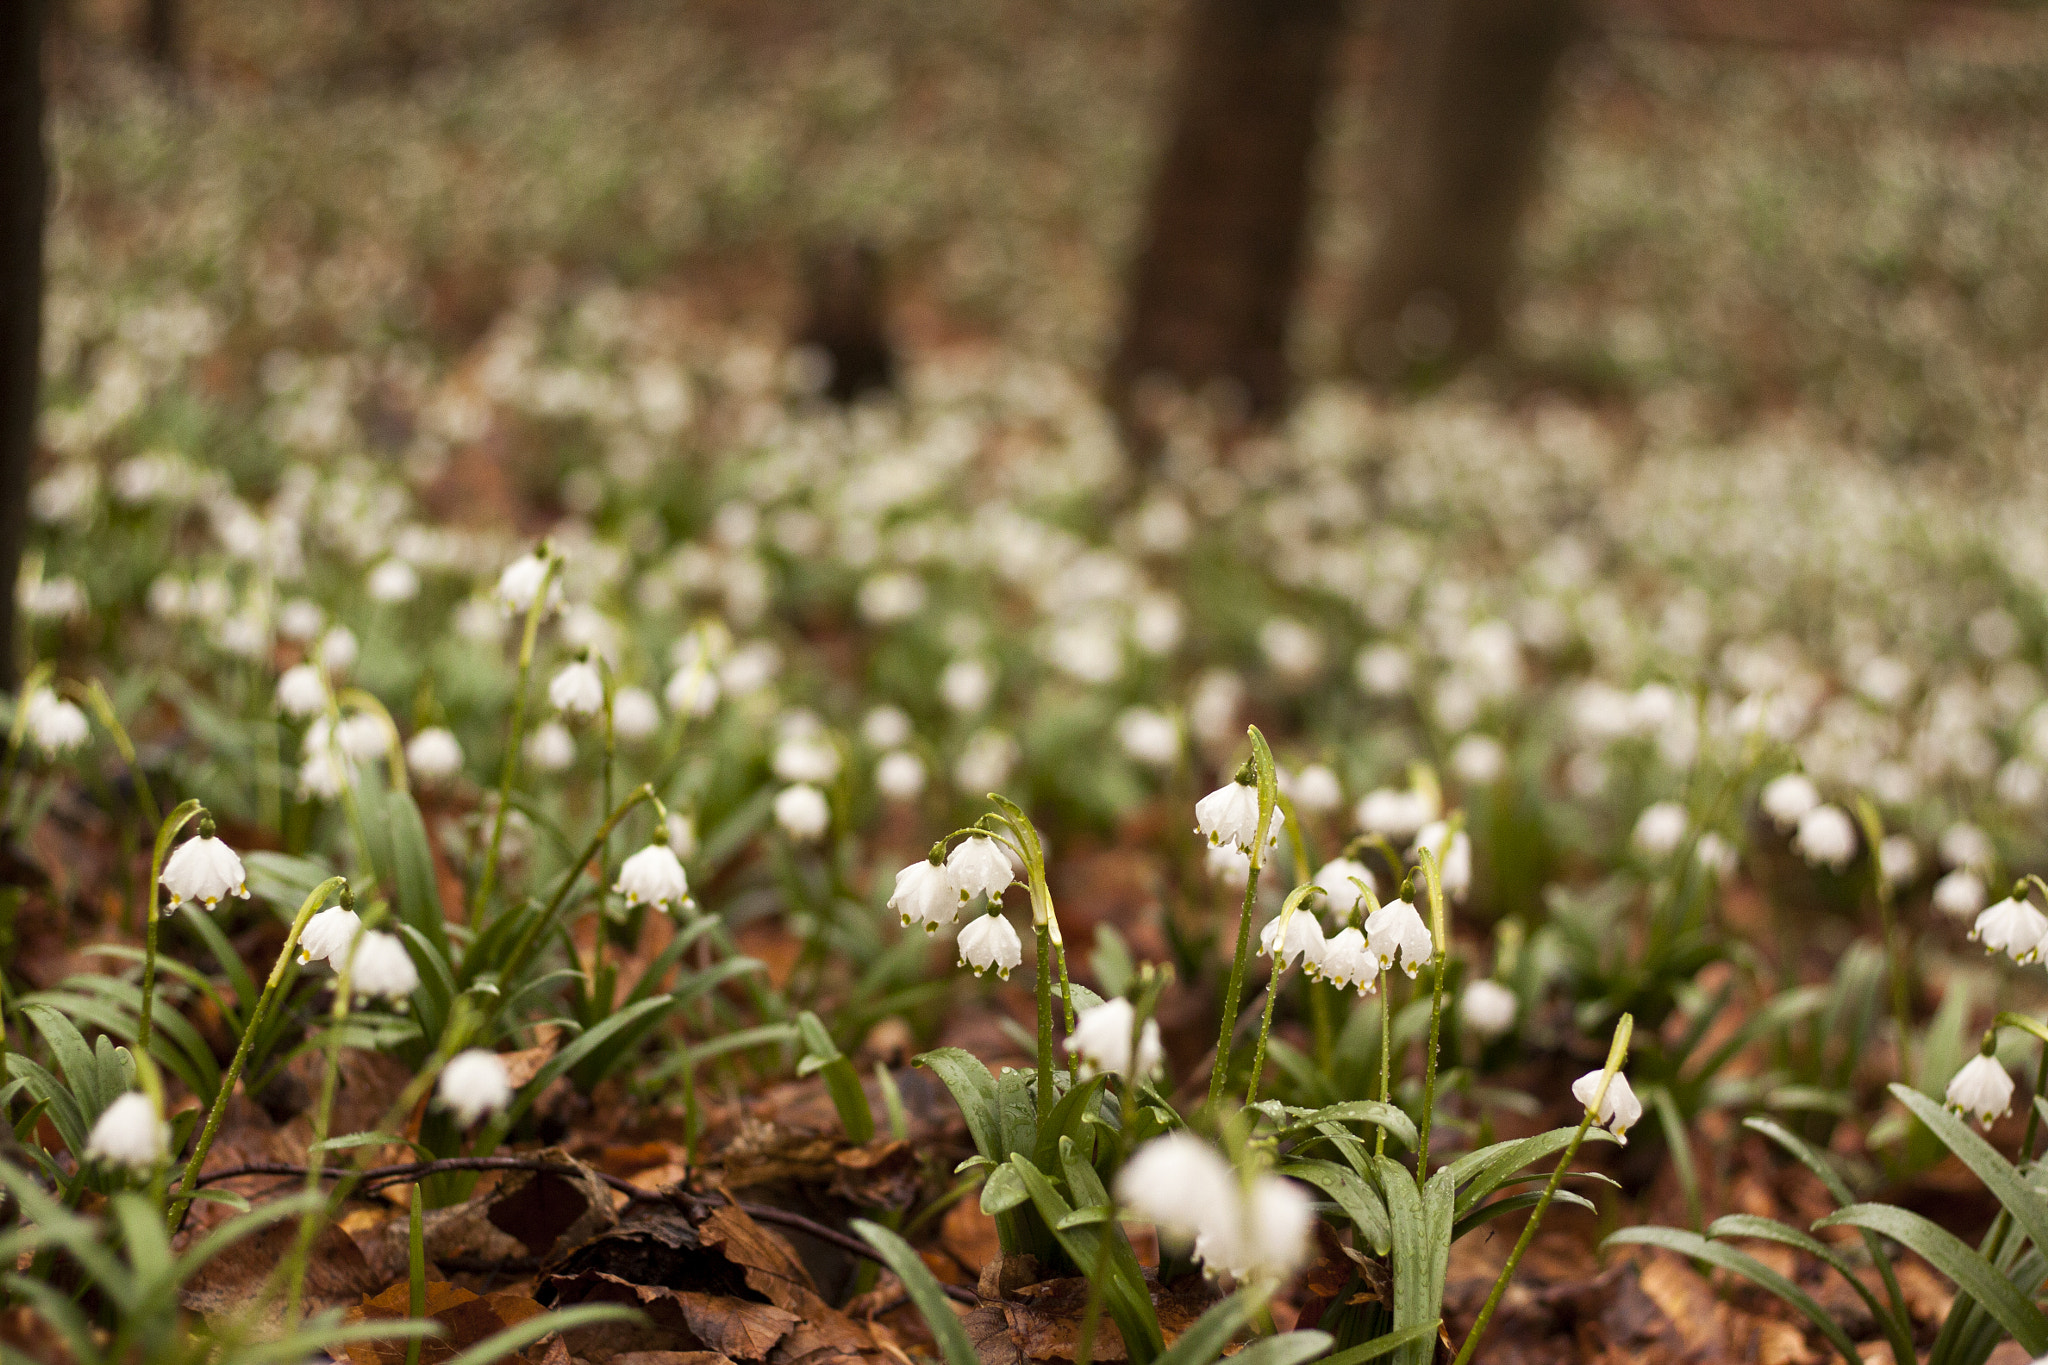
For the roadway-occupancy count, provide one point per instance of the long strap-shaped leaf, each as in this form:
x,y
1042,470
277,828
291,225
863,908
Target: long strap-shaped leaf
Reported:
x,y
1693,1245
1360,1202
1124,1292
1289,1348
1204,1341
1896,1333
1838,1189
1386,1345
923,1288
1947,1253
1483,1171
1421,1249
2028,1207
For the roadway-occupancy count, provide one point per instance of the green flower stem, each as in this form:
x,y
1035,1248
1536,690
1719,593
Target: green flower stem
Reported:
x,y
1045,1095
316,1153
510,771
416,1266
1894,947
95,696
530,937
394,742
1617,1054
153,893
1262,771
1439,959
1287,912
604,862
1386,994
183,1198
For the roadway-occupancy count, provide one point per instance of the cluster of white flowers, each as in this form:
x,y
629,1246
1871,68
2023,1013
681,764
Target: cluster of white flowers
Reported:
x,y
1248,1231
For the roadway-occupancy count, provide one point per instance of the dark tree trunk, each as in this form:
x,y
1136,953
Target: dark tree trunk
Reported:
x,y
23,187
1226,227
844,319
1471,84
160,34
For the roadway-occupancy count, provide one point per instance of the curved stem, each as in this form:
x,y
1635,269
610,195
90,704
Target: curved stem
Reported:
x,y
316,1151
531,935
153,891
510,770
183,1198
1438,931
1220,1070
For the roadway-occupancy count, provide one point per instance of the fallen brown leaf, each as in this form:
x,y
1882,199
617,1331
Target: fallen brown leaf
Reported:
x,y
464,1318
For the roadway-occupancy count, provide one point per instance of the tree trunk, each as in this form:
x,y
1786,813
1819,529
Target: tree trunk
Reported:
x,y
1470,90
1226,227
23,187
844,319
160,35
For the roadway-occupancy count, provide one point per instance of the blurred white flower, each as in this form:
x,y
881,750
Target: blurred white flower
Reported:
x,y
327,936
550,748
362,736
577,689
1826,837
986,762
1453,853
393,580
1982,1088
889,597
474,1085
55,723
1479,760
1149,737
965,685
1964,845
635,716
989,941
900,775
1898,859
1101,1040
1716,856
811,758
382,967
130,1134
1787,797
338,650
1384,670
1396,814
1314,790
302,691
1292,649
434,754
1959,894
692,690
802,812
1488,1008
885,727
1660,829
300,620
1336,877
519,584
1228,864
1247,1234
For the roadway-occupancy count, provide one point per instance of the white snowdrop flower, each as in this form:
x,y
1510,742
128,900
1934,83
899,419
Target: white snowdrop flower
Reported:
x,y
1348,961
577,689
1384,670
1964,845
1183,1186
57,598
886,598
2013,927
479,621
1214,704
1479,760
1293,937
1981,1088
1277,1221
302,691
300,620
885,727
1453,853
204,870
1315,789
654,876
1149,737
989,941
978,866
434,754
130,1134
1156,623
2021,784
1229,815
1660,829
692,690
67,493
635,716
169,598
1086,647
324,773
56,724
750,668
682,834
965,685
338,650
900,775
550,748
1959,894
1898,859
244,635
1396,930
327,935
474,1085
1396,814
802,811
808,758
382,967
1292,649
1787,797
1228,864
1715,855
1339,879
1102,1041
362,736
392,581
926,894
520,582
1619,1111
1826,837
987,761
1884,680
1488,1008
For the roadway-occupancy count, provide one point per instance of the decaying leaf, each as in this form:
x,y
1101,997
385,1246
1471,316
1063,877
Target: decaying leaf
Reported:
x,y
464,1319
228,1284
526,1214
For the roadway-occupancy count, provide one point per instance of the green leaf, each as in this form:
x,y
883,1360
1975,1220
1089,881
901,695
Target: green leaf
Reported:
x,y
2026,1204
1360,1202
1527,1199
1003,1190
1838,1190
417,889
1387,1116
1203,1342
842,1082
1421,1248
1691,1244
1125,1293
1486,1170
923,1288
574,1053
1972,1274
1386,1345
1768,1230
1289,1348
68,1046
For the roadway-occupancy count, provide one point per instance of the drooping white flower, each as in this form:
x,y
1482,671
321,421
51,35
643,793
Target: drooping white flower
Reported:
x,y
1315,789
1228,864
56,724
1293,936
1715,855
808,758
1488,1008
1184,1186
692,690
394,580
382,967
520,582
302,691
1898,859
654,876
802,811
1787,797
130,1134
1396,930
1278,1216
925,894
577,689
1102,1041
474,1085
362,736
1826,837
1339,879
2013,927
885,727
1229,815
990,941
1959,894
1348,961
1982,1088
978,866
1619,1111
635,716
1660,829
900,775
1962,844
300,620
1149,737
550,748
1395,814
1479,760
205,870
1453,853
434,754
327,936
338,650
324,773
965,685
